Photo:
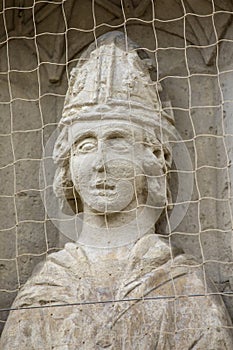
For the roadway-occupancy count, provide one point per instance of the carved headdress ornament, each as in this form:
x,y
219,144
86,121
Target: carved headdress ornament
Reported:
x,y
111,81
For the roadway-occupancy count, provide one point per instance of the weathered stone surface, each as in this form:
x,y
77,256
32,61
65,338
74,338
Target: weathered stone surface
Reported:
x,y
121,285
154,316
173,70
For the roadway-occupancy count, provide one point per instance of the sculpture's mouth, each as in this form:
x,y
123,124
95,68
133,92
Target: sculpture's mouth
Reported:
x,y
104,186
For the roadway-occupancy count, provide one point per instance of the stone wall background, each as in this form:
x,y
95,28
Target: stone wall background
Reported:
x,y
39,44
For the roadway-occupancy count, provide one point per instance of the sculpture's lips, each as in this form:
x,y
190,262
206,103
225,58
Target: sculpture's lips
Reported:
x,y
102,188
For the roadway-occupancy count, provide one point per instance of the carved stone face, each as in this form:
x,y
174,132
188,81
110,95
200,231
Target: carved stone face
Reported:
x,y
107,166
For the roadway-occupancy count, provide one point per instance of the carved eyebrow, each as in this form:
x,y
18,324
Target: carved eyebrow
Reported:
x,y
117,133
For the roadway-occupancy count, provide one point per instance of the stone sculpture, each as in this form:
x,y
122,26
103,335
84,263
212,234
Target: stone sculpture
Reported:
x,y
120,286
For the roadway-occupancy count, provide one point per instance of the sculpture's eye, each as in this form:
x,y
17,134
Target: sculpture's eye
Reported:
x,y
87,145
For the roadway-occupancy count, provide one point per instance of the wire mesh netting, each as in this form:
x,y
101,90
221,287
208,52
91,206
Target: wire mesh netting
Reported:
x,y
186,45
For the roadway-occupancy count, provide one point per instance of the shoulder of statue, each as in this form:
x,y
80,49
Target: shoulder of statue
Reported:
x,y
57,273
64,258
192,276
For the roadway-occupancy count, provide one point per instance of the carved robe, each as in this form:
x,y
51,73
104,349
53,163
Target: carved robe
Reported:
x,y
167,304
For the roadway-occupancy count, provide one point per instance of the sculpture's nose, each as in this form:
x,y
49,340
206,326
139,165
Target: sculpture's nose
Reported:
x,y
98,163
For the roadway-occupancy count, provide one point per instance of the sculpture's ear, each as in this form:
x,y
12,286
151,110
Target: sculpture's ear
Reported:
x,y
163,154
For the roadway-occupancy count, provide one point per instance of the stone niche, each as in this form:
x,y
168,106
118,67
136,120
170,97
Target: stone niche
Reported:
x,y
190,43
